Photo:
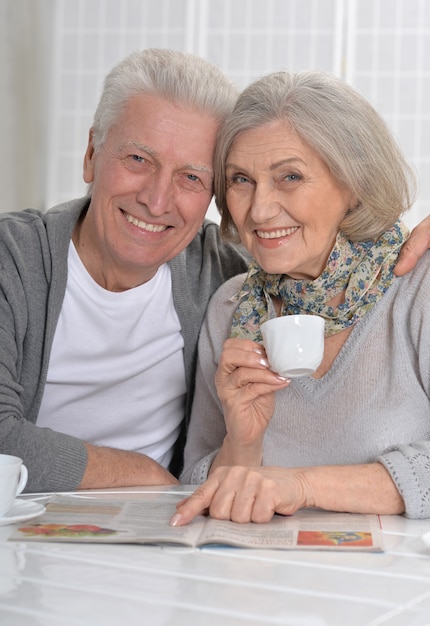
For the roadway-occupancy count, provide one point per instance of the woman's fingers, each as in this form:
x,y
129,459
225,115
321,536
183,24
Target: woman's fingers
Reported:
x,y
196,504
253,502
254,382
239,353
235,493
243,494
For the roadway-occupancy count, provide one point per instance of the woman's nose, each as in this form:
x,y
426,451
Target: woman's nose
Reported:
x,y
265,203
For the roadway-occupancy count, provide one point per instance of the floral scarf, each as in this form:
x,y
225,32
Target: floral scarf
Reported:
x,y
364,270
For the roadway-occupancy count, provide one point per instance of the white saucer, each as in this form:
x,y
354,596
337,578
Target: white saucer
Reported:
x,y
22,510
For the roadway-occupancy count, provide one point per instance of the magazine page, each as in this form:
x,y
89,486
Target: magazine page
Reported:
x,y
75,518
79,518
306,529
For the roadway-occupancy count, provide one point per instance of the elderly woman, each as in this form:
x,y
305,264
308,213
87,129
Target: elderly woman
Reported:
x,y
312,182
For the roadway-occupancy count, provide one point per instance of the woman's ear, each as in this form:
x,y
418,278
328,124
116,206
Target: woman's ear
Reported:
x,y
355,206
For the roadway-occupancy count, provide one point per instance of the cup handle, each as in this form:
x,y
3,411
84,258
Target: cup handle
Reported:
x,y
22,480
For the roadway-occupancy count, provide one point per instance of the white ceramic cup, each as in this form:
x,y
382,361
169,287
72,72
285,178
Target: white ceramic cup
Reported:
x,y
13,478
294,344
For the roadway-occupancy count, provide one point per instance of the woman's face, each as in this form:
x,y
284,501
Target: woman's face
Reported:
x,y
284,201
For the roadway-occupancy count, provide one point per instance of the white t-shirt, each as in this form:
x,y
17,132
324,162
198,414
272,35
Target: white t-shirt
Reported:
x,y
116,374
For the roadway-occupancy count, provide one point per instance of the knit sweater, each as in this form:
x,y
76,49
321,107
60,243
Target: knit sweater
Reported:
x,y
33,276
372,405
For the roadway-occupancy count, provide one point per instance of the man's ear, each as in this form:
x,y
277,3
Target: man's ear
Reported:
x,y
89,159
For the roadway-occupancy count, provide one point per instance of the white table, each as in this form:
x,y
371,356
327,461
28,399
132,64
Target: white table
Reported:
x,y
53,584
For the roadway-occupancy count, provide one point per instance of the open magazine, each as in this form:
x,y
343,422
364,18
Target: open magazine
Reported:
x,y
88,519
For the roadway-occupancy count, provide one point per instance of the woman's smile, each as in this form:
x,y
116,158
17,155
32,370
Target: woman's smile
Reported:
x,y
276,234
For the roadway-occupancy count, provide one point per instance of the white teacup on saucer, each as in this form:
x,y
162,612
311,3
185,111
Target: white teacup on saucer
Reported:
x,y
13,478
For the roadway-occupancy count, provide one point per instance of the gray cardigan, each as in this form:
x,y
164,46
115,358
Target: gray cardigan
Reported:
x,y
33,274
373,403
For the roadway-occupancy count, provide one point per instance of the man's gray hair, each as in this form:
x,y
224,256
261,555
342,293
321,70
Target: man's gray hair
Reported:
x,y
176,76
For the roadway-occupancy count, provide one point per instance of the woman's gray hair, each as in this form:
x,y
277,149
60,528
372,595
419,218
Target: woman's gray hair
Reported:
x,y
175,76
345,131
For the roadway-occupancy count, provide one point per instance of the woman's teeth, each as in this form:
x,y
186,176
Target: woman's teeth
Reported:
x,y
275,234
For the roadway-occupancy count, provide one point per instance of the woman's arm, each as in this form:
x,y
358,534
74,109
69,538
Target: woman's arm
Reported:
x,y
238,366
246,388
245,494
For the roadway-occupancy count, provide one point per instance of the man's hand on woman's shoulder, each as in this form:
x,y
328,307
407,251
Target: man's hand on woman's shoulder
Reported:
x,y
414,248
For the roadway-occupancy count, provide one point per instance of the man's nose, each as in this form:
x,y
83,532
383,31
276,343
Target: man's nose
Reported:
x,y
157,193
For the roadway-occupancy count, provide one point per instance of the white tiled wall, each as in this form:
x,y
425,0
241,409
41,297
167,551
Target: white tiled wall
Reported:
x,y
381,46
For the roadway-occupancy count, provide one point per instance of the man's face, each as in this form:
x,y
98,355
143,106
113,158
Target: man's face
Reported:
x,y
151,187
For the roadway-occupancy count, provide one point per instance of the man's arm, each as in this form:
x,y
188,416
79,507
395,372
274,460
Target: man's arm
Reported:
x,y
414,248
108,467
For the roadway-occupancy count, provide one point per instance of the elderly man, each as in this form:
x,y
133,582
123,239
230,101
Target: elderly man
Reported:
x,y
102,298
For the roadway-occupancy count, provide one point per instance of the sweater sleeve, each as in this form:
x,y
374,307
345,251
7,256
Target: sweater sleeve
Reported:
x,y
55,461
409,467
409,464
28,315
207,427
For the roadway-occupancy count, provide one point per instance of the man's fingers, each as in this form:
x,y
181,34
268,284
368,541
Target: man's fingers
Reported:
x,y
409,256
414,248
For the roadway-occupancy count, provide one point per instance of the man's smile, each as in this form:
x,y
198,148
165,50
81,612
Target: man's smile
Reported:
x,y
153,228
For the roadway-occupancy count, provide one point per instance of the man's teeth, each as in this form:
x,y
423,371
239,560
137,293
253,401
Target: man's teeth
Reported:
x,y
275,234
153,228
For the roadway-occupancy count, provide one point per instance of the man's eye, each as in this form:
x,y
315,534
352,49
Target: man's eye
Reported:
x,y
192,182
136,157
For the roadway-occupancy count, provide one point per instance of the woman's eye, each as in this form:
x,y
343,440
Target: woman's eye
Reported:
x,y
238,179
292,177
